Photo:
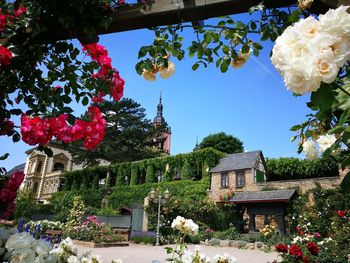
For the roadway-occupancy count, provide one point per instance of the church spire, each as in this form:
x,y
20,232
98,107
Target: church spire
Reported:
x,y
159,119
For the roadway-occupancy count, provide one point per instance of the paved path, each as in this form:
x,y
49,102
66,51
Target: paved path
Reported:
x,y
145,254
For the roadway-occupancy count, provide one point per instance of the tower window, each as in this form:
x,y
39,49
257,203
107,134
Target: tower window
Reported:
x,y
224,180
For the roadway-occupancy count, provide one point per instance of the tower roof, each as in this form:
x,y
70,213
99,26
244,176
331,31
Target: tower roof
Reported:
x,y
159,119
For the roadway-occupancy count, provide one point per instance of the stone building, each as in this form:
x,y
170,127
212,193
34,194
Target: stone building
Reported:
x,y
44,174
159,120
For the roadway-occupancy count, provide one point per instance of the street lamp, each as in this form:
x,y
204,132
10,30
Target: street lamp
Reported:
x,y
157,196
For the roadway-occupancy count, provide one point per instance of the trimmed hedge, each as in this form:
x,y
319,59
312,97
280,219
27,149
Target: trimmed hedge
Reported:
x,y
294,168
191,165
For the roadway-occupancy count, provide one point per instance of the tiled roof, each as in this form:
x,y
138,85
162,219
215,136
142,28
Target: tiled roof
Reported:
x,y
236,161
263,196
19,167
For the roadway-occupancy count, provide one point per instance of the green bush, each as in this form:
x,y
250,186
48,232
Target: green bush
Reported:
x,y
198,160
294,168
143,239
107,211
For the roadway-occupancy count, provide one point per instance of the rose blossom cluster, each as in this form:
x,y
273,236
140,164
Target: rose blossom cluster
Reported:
x,y
324,142
107,73
5,53
185,226
312,51
297,253
164,72
8,193
39,130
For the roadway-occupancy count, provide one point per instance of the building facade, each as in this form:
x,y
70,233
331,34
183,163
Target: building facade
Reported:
x,y
44,174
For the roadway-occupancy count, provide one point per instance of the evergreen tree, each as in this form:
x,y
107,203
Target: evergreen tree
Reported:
x,y
130,136
76,213
167,176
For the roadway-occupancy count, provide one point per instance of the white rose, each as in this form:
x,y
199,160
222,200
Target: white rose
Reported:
x,y
327,68
42,247
73,259
96,259
336,22
307,27
326,141
296,82
167,72
147,75
341,51
310,149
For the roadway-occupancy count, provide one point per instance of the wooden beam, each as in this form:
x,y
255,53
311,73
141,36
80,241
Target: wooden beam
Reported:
x,y
166,12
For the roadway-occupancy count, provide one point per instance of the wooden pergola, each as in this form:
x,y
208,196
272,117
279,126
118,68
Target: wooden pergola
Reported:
x,y
166,12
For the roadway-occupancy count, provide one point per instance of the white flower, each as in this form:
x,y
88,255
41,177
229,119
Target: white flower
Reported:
x,y
167,72
224,259
42,247
96,259
24,255
147,75
326,141
336,21
341,51
19,241
73,259
117,260
304,4
310,149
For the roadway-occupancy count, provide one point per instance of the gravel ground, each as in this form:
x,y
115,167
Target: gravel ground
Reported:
x,y
146,254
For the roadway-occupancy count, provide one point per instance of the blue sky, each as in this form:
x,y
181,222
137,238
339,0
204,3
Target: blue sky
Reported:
x,y
251,103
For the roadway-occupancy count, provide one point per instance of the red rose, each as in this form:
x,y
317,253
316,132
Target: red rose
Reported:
x,y
306,259
295,250
6,127
282,248
3,22
341,213
20,10
5,56
298,228
313,248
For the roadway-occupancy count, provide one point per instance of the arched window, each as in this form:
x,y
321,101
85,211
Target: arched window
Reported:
x,y
39,166
58,167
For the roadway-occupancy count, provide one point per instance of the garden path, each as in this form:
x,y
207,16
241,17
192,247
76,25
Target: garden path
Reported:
x,y
145,254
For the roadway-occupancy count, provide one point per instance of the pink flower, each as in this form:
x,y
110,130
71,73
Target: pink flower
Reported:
x,y
20,10
5,55
318,235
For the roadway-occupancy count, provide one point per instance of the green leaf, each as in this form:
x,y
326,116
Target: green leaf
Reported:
x,y
294,17
257,46
85,101
245,49
253,25
224,65
323,98
295,127
195,66
4,156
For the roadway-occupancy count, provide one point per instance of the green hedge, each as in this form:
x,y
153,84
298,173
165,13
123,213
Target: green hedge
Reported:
x,y
294,168
191,165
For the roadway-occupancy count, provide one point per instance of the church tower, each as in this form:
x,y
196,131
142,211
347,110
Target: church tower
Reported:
x,y
159,120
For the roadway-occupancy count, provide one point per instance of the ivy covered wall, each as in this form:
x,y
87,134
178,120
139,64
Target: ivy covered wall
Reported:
x,y
195,165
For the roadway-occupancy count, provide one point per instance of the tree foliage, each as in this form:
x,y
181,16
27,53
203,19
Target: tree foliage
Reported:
x,y
130,136
222,142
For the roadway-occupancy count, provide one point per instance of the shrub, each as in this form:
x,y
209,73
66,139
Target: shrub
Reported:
x,y
294,168
107,211
242,244
143,239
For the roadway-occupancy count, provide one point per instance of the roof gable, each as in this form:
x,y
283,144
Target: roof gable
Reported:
x,y
237,161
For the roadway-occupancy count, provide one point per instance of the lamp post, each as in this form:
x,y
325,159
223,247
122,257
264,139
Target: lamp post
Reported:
x,y
156,196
